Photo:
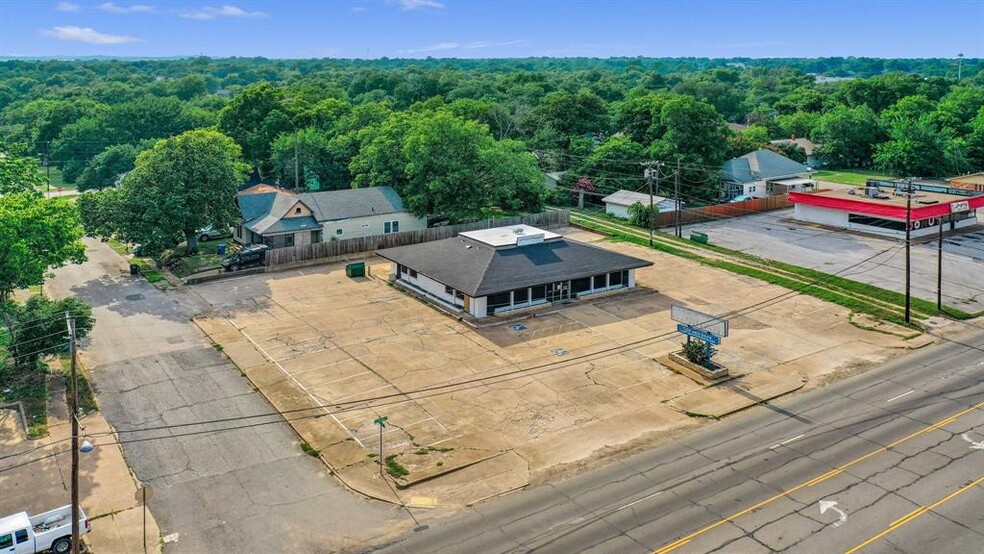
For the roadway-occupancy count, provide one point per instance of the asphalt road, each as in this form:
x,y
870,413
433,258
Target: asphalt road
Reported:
x,y
245,490
893,456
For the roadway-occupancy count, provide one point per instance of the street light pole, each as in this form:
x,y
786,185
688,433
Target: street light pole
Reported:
x,y
908,242
939,268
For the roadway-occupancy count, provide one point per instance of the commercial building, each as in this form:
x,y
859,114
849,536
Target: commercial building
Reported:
x,y
883,209
492,271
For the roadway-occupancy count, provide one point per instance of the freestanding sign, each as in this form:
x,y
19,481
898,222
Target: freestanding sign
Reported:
x,y
700,326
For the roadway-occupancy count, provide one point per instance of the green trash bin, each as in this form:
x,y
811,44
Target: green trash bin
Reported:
x,y
699,237
357,269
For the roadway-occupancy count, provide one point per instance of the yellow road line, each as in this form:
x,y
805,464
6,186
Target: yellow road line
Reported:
x,y
916,513
836,471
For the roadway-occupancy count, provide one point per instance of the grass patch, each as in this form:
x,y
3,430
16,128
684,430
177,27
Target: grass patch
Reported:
x,y
118,247
309,450
854,177
58,182
218,347
394,468
206,259
147,270
28,386
422,452
442,450
440,463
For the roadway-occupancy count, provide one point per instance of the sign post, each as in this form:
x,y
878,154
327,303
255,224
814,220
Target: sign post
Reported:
x,y
144,494
704,327
381,421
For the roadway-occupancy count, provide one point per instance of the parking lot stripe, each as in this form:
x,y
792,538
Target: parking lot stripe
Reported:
x,y
296,382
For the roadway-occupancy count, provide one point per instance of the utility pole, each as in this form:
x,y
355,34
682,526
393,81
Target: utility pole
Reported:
x,y
959,66
939,268
75,435
908,242
651,174
676,201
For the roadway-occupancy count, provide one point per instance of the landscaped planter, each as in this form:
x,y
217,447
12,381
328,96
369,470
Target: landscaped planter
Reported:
x,y
716,371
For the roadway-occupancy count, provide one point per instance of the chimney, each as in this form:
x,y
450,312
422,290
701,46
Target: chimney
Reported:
x,y
792,136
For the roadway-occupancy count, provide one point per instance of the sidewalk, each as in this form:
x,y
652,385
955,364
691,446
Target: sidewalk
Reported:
x,y
107,488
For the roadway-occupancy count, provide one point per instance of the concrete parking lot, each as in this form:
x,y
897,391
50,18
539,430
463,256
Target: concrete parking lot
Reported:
x,y
512,405
777,236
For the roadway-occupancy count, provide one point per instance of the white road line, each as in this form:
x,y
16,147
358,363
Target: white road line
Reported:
x,y
900,396
787,441
638,501
386,386
296,382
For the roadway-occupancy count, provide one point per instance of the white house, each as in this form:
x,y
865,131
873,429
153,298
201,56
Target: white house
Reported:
x,y
617,204
493,271
752,174
280,218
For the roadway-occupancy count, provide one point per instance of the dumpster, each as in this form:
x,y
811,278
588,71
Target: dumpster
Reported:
x,y
697,236
220,249
357,269
134,269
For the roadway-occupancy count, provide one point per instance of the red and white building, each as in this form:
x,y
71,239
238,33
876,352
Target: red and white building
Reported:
x,y
882,210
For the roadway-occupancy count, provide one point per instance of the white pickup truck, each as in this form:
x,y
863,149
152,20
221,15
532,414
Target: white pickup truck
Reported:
x,y
24,534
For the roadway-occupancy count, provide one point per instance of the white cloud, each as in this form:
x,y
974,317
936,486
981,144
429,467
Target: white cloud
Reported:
x,y
68,7
226,10
417,4
133,8
86,34
473,45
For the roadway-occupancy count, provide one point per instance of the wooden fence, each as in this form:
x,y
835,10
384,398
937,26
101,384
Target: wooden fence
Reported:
x,y
281,258
730,209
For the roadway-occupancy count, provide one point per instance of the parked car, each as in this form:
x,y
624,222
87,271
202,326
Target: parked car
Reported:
x,y
249,256
741,198
24,534
210,232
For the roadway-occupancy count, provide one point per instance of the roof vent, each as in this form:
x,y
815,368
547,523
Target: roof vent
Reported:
x,y
518,230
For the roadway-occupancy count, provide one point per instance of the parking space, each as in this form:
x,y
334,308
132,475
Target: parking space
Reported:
x,y
777,236
572,384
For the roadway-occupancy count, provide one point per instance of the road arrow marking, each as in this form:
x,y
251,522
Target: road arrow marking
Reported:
x,y
832,505
973,445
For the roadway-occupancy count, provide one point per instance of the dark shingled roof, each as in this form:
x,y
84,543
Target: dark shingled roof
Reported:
x,y
479,270
289,224
760,165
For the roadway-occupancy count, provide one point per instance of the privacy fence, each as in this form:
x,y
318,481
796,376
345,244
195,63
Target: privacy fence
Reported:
x,y
719,211
281,258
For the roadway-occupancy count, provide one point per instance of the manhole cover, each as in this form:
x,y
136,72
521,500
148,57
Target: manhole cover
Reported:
x,y
560,352
137,296
518,327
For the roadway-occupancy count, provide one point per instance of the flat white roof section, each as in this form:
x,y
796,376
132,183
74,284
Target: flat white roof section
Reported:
x,y
513,235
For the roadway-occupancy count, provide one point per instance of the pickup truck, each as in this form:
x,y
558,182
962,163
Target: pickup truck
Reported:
x,y
24,534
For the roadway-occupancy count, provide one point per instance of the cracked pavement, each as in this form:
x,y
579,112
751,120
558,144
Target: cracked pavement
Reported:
x,y
249,489
753,482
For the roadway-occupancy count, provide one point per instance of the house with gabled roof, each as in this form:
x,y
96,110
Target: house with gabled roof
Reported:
x,y
762,173
280,218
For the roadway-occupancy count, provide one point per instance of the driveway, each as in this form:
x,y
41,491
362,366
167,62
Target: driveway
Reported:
x,y
249,489
776,236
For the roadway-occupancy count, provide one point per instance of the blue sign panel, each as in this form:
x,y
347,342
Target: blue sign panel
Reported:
x,y
701,334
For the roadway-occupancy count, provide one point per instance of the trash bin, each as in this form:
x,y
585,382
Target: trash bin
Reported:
x,y
134,269
357,269
221,249
697,236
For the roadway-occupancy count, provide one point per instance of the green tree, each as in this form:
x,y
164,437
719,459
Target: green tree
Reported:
x,y
847,136
107,167
178,186
747,140
38,235
19,172
254,118
606,167
693,131
37,327
914,149
643,215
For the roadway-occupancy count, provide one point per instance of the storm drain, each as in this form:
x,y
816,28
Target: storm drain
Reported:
x,y
137,296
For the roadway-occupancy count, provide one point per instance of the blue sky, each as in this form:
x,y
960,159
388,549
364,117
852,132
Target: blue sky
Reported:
x,y
482,29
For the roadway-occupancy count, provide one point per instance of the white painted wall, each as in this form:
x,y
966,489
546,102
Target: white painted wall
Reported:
x,y
755,189
617,210
823,216
372,225
478,306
